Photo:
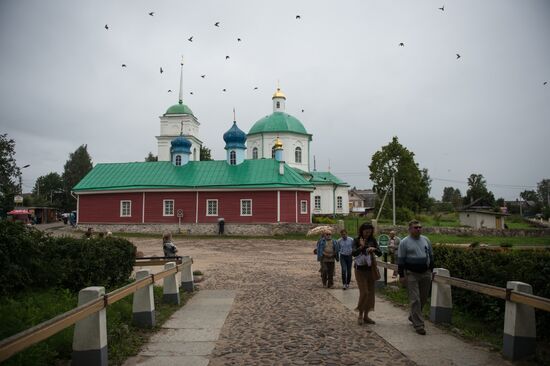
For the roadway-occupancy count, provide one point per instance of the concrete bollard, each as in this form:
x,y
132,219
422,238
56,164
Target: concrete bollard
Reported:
x,y
171,290
144,303
90,334
519,339
187,277
442,301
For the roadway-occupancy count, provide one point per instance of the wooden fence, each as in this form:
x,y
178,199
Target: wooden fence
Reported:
x,y
27,338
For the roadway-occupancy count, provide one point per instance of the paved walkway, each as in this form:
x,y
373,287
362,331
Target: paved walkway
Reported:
x,y
274,311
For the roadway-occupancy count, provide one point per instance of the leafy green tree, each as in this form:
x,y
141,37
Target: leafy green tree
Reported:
x,y
10,174
478,191
48,190
530,195
452,195
78,165
151,157
543,189
205,153
412,185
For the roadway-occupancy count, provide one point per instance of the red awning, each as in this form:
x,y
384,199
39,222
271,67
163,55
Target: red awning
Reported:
x,y
19,212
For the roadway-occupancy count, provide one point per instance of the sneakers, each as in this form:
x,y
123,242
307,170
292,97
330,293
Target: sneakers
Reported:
x,y
421,331
344,287
347,285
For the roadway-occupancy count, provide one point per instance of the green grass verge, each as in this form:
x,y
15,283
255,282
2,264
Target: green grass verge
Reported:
x,y
492,240
30,308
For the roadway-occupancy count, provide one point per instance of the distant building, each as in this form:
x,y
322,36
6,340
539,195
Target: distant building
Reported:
x,y
481,217
361,200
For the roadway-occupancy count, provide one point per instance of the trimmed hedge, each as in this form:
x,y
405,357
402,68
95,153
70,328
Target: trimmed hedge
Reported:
x,y
496,268
32,259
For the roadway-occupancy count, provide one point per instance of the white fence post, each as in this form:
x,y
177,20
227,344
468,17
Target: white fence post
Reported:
x,y
144,303
520,330
170,291
187,276
441,307
90,334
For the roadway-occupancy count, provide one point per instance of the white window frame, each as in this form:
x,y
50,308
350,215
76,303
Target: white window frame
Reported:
x,y
164,208
232,157
303,207
207,203
315,200
298,155
178,160
122,209
339,202
255,153
246,200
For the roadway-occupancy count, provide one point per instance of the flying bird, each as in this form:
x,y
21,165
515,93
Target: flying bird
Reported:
x,y
255,88
402,44
238,39
190,39
298,17
227,57
546,82
161,70
123,65
442,8
458,56
203,76
224,90
302,111
107,26
191,93
217,24
169,90
152,13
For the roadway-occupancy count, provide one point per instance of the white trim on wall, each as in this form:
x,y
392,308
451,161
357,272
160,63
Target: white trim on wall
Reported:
x,y
278,206
164,202
121,212
217,208
143,210
241,206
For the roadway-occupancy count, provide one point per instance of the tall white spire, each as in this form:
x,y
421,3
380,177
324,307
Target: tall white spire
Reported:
x,y
181,81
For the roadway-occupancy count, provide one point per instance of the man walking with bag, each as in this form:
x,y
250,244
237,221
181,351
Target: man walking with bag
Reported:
x,y
415,264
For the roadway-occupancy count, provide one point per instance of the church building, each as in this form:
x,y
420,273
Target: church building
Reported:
x,y
265,178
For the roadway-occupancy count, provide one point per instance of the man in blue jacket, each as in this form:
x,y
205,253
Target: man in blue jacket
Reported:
x,y
415,264
327,254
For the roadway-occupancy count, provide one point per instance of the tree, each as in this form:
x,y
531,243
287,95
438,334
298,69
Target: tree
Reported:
x,y
478,191
10,174
205,153
47,190
543,189
412,185
151,157
530,196
452,195
78,165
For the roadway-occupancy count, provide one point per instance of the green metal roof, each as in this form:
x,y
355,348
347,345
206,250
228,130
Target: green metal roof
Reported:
x,y
179,108
326,178
278,122
262,173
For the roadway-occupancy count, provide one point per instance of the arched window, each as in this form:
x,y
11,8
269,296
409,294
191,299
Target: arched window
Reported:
x,y
255,153
232,158
178,160
278,105
298,155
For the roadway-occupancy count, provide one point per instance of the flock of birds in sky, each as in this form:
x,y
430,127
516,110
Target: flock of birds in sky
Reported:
x,y
227,57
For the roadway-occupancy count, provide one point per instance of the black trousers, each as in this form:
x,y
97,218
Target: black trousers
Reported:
x,y
327,273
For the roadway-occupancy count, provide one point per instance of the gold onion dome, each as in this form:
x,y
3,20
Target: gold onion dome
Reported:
x,y
279,94
278,144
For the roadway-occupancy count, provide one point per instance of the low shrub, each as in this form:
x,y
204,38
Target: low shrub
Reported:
x,y
32,259
323,220
496,268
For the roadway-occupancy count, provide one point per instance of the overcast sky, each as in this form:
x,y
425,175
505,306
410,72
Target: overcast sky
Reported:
x,y
62,84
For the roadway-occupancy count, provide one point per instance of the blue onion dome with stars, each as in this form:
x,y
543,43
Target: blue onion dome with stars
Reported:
x,y
181,145
234,138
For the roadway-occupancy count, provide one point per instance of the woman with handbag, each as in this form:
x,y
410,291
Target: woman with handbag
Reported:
x,y
365,247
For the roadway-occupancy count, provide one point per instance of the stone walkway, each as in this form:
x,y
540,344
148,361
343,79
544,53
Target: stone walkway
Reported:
x,y
281,315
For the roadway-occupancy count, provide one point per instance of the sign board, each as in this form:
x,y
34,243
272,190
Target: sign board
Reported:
x,y
180,213
383,242
18,199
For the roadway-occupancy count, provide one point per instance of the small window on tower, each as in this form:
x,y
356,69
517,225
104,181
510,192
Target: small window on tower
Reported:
x,y
273,153
255,153
278,105
298,155
232,158
178,160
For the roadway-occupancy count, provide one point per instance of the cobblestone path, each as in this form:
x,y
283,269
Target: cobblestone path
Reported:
x,y
282,315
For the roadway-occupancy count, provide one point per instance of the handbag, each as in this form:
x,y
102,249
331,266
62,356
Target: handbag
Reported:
x,y
363,260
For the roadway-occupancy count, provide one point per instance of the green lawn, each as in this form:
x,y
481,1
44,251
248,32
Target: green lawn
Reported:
x,y
492,240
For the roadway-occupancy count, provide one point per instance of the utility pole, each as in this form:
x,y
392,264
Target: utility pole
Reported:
x,y
393,194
